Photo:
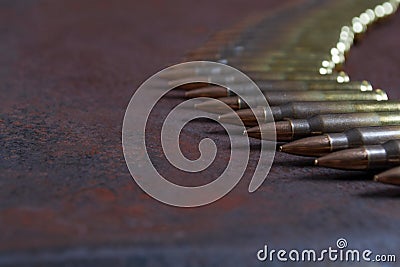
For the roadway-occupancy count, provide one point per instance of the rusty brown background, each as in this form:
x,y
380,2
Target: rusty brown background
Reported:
x,y
67,72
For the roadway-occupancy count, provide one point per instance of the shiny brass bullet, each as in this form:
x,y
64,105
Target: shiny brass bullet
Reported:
x,y
391,176
217,92
306,85
323,144
363,158
254,71
340,77
292,129
275,98
303,110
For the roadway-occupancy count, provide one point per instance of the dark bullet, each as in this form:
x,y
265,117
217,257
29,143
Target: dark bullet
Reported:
x,y
391,176
276,98
323,144
329,123
363,158
303,110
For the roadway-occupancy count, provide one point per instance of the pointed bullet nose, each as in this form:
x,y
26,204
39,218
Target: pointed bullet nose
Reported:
x,y
265,131
311,146
348,159
231,118
254,132
391,176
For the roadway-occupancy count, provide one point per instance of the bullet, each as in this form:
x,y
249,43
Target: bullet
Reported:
x,y
323,144
275,98
250,49
391,176
250,70
303,110
191,85
363,158
229,47
217,92
267,76
292,129
314,85
304,86
264,63
312,67
252,53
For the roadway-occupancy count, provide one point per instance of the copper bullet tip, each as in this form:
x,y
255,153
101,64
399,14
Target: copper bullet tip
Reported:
x,y
391,176
211,91
254,132
349,159
264,131
231,118
311,146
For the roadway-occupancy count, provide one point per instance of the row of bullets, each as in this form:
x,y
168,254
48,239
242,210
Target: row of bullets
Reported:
x,y
298,65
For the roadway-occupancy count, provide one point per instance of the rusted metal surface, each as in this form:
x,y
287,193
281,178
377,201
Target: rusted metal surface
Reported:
x,y
68,69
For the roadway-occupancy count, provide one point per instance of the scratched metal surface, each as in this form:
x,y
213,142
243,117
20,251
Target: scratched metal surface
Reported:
x,y
67,71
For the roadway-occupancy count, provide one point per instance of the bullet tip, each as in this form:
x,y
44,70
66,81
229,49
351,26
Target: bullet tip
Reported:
x,y
280,148
376,178
209,91
310,146
316,162
358,157
245,132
